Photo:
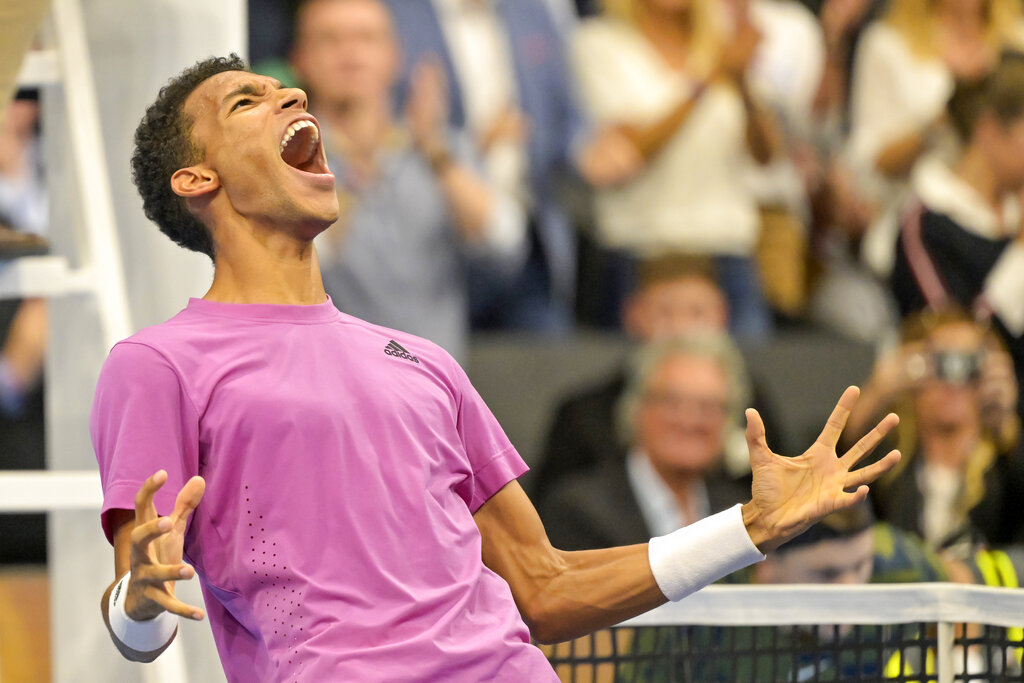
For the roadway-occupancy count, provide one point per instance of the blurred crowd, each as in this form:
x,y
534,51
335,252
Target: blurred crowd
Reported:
x,y
700,176
512,165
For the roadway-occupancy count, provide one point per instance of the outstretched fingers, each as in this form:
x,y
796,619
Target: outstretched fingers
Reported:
x,y
851,497
860,478
147,532
868,442
829,436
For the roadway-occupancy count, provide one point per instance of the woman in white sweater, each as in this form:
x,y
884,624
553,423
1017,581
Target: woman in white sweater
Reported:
x,y
669,74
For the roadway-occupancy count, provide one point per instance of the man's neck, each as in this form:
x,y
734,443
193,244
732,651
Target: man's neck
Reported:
x,y
268,267
681,483
975,170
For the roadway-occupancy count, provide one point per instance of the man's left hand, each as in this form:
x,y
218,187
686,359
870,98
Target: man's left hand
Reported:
x,y
791,494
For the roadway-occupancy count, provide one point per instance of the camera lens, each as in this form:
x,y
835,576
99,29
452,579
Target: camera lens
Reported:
x,y
957,367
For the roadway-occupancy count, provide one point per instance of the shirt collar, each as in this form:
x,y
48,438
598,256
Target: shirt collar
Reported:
x,y
656,501
944,192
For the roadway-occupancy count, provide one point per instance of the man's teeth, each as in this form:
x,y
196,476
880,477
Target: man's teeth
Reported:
x,y
295,127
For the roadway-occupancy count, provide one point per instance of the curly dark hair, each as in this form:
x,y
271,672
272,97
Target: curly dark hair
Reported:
x,y
163,144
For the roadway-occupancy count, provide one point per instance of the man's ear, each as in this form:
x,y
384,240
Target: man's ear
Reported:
x,y
194,181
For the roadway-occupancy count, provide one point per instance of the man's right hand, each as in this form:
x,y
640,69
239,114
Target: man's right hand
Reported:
x,y
157,546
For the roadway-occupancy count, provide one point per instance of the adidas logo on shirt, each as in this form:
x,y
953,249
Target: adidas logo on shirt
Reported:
x,y
395,349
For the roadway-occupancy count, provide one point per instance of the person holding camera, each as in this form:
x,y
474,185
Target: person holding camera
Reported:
x,y
952,383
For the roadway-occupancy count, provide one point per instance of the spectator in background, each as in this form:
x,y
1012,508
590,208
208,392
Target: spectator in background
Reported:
x,y
961,242
676,295
671,77
848,548
19,22
851,547
23,323
415,209
904,74
680,397
509,89
962,476
784,74
23,222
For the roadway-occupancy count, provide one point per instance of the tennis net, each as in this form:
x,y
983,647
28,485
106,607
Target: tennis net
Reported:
x,y
901,632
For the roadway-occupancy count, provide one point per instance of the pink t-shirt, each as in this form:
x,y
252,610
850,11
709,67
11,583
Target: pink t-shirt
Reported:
x,y
343,464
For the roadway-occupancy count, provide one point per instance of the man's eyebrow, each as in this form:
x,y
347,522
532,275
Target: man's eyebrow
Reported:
x,y
251,89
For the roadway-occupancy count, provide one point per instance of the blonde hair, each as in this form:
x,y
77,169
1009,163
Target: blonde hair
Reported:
x,y
707,34
919,327
916,21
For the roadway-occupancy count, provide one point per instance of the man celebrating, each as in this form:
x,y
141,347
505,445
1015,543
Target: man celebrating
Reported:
x,y
352,514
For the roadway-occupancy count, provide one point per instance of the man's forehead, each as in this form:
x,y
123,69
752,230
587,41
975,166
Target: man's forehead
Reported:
x,y
214,89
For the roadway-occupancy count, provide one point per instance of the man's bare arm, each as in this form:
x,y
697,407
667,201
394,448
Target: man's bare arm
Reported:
x,y
561,595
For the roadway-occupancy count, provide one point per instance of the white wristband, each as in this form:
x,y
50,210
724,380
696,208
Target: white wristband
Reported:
x,y
690,558
141,636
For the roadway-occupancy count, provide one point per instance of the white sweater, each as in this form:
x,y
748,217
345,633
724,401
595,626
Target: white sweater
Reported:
x,y
692,196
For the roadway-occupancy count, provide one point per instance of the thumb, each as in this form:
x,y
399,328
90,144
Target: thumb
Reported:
x,y
757,445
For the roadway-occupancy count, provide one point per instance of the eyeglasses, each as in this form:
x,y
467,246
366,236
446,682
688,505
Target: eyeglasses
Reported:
x,y
705,406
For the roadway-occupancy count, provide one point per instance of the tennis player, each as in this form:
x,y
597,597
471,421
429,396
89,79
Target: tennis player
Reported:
x,y
348,502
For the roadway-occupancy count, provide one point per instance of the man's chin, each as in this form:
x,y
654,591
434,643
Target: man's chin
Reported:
x,y
320,224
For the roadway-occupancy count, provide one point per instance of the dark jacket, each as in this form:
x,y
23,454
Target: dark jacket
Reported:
x,y
597,509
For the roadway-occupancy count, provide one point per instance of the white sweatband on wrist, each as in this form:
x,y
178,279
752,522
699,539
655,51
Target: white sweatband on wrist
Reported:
x,y
690,558
141,636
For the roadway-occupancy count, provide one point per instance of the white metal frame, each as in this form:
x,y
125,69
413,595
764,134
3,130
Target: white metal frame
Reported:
x,y
67,65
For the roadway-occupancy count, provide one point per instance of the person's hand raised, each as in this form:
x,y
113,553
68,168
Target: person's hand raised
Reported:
x,y
968,58
427,108
739,51
791,494
157,546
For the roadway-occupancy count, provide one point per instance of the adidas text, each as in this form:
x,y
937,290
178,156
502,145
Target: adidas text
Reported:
x,y
395,349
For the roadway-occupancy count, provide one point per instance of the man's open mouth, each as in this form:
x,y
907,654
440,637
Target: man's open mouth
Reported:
x,y
300,147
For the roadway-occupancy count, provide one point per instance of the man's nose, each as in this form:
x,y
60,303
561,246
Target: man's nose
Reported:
x,y
294,98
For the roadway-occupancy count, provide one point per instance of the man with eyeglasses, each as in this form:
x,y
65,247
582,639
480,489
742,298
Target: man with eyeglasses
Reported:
x,y
680,398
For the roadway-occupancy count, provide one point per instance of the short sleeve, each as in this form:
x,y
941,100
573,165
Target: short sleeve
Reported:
x,y
493,460
142,421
